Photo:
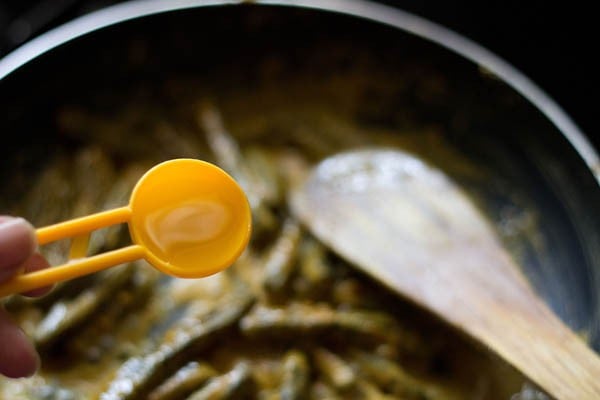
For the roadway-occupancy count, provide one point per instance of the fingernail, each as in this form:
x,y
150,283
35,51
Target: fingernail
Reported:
x,y
15,226
17,243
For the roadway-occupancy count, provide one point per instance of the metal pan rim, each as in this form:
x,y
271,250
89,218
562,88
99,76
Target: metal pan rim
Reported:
x,y
364,9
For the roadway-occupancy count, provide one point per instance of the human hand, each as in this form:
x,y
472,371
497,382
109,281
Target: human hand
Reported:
x,y
18,244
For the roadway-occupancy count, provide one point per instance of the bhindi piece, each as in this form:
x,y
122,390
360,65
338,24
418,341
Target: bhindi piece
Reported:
x,y
184,382
366,390
139,375
264,166
314,273
95,340
304,319
280,260
229,157
391,377
50,391
237,384
65,316
320,390
333,368
296,376
227,152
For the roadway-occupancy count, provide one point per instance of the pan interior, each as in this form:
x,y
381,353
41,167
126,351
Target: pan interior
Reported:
x,y
318,83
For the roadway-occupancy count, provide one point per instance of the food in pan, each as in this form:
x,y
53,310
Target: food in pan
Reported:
x,y
289,320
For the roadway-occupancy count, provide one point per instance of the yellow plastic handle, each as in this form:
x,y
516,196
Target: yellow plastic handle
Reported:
x,y
84,225
75,268
191,220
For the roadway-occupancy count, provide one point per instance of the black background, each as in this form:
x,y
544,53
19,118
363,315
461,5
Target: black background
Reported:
x,y
553,43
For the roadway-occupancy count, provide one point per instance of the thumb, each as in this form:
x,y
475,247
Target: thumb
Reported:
x,y
17,244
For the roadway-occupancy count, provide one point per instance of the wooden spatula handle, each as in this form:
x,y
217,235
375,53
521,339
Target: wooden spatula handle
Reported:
x,y
410,227
535,342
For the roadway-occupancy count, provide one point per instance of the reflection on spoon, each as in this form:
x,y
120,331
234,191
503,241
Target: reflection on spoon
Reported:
x,y
191,224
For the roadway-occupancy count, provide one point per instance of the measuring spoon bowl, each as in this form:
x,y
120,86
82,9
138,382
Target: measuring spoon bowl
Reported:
x,y
191,217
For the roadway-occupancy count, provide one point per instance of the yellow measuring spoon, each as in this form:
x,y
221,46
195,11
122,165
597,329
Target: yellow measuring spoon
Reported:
x,y
186,217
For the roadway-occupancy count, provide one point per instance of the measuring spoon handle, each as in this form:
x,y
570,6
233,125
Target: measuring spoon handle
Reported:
x,y
72,269
76,229
78,226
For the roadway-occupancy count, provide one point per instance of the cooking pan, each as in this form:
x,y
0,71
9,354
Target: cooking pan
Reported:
x,y
540,180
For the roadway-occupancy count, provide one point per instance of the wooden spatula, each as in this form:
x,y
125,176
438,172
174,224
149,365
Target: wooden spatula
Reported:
x,y
413,229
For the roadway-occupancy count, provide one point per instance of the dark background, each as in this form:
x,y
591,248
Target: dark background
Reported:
x,y
553,43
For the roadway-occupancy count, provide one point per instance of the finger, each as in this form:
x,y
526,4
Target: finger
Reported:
x,y
18,357
35,263
17,244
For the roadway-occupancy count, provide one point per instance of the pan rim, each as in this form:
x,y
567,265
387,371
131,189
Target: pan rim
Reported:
x,y
365,9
